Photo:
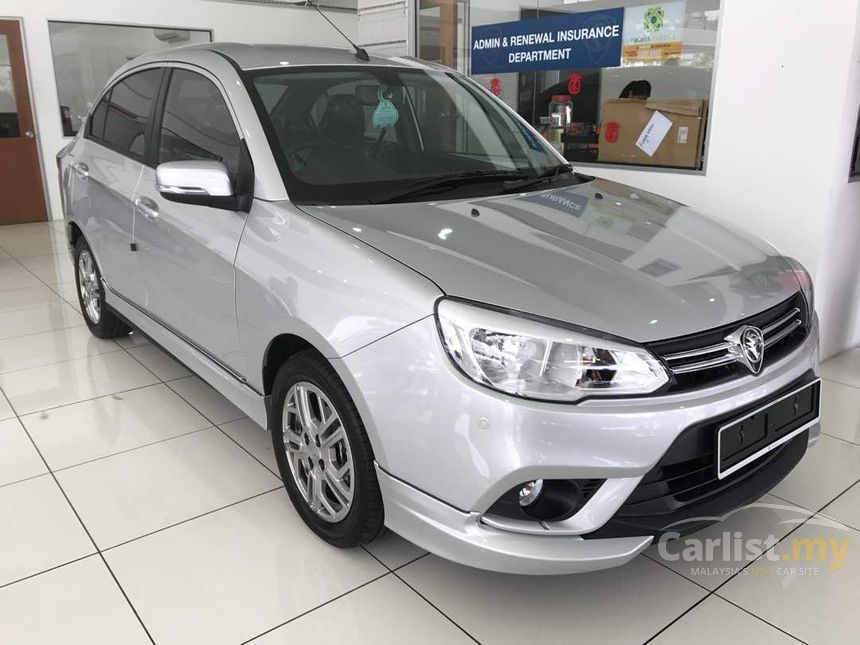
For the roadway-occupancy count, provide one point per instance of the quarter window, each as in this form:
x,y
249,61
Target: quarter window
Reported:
x,y
97,120
129,112
197,124
855,164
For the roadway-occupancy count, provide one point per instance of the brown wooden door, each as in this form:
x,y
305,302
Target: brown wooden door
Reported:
x,y
22,198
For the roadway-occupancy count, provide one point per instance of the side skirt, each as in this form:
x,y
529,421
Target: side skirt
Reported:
x,y
219,376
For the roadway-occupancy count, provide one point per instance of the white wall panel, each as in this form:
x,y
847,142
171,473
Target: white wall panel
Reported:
x,y
230,21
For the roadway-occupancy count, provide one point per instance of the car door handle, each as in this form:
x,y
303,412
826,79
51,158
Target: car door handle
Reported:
x,y
81,170
147,208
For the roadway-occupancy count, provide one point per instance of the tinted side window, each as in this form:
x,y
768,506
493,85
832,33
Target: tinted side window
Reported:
x,y
97,119
130,111
855,165
197,124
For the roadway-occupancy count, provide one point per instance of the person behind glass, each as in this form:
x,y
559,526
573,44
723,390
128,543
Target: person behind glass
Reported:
x,y
640,90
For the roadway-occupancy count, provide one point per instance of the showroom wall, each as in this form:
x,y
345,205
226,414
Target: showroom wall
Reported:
x,y
783,114
383,26
783,111
229,21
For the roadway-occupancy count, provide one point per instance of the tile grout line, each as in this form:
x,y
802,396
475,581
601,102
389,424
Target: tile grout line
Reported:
x,y
313,609
666,566
415,591
49,569
747,611
74,510
191,519
827,434
710,592
71,403
44,305
86,530
833,380
62,362
128,450
200,412
679,617
741,569
399,566
412,561
35,277
23,479
98,550
420,595
50,331
87,400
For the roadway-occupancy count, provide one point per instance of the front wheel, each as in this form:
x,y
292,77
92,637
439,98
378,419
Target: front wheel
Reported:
x,y
323,453
101,320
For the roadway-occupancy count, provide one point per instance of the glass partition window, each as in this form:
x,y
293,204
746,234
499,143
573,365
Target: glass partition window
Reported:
x,y
658,77
8,105
86,55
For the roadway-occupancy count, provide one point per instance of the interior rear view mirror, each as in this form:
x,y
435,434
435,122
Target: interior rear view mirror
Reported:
x,y
369,94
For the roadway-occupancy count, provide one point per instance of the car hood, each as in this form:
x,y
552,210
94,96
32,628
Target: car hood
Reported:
x,y
599,254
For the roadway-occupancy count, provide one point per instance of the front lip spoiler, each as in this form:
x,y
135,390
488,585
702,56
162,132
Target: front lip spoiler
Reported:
x,y
460,536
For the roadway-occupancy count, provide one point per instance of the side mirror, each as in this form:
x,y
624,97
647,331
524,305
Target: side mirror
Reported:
x,y
201,183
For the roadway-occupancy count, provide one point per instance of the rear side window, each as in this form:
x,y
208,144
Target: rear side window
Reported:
x,y
97,119
197,125
129,113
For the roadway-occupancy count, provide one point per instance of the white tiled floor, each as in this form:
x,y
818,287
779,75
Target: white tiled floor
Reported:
x,y
137,505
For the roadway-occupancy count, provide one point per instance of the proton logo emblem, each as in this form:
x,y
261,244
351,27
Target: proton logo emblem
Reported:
x,y
747,346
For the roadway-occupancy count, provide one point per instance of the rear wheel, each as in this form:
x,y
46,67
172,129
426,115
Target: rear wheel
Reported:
x,y
323,453
101,320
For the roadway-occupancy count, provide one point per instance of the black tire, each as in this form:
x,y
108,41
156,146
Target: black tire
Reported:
x,y
363,522
107,324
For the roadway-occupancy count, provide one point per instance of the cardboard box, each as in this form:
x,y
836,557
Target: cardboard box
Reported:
x,y
672,130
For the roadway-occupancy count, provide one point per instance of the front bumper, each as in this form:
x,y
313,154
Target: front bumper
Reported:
x,y
447,449
462,537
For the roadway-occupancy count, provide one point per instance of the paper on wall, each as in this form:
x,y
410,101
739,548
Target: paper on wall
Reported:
x,y
653,134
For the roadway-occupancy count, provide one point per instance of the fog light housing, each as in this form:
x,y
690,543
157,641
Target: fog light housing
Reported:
x,y
530,492
545,500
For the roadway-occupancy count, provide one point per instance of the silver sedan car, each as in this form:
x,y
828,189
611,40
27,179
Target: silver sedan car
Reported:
x,y
446,329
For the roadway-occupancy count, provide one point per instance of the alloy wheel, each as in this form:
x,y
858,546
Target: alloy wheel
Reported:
x,y
88,284
318,451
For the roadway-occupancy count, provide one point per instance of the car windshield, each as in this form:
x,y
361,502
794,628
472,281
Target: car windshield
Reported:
x,y
357,135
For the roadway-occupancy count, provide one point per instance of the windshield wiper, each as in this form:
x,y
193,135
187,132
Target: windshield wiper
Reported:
x,y
445,181
548,175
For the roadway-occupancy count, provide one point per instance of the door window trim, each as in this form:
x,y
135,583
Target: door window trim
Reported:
x,y
158,117
146,156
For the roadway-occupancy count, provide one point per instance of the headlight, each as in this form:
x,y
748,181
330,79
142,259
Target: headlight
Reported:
x,y
536,360
805,281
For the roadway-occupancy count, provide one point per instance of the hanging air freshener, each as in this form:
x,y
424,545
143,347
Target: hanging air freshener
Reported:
x,y
385,115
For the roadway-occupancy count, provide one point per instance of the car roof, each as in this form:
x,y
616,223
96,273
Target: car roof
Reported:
x,y
261,56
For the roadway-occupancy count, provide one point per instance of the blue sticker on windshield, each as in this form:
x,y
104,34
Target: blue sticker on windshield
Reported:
x,y
385,115
530,138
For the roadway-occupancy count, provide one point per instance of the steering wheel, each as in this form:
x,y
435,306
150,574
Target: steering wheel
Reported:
x,y
297,155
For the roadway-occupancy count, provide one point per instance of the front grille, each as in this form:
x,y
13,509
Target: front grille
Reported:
x,y
704,359
684,484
